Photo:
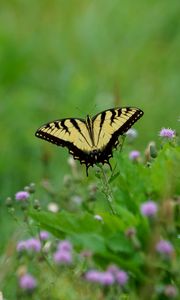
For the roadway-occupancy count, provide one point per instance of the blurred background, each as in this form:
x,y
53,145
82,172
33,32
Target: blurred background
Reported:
x,y
63,58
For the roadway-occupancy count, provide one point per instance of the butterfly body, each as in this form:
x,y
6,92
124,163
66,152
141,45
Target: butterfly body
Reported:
x,y
92,140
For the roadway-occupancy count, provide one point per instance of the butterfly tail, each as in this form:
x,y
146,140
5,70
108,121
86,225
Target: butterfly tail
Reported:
x,y
87,167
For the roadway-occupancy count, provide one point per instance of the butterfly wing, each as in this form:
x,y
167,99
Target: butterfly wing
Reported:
x,y
91,146
109,125
70,133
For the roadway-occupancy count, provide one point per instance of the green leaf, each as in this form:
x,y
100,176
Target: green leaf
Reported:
x,y
67,222
113,177
93,242
119,243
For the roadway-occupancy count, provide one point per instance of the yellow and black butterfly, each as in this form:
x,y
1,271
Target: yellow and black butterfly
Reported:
x,y
91,140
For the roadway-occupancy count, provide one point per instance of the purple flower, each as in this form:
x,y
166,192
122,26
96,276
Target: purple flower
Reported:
x,y
22,195
164,247
64,246
30,244
33,244
170,291
43,235
121,277
93,276
149,208
27,282
106,278
167,133
134,155
21,245
113,269
62,257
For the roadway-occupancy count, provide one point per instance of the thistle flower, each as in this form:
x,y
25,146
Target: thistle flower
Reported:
x,y
164,247
33,244
64,246
106,278
21,196
21,246
93,276
170,291
149,208
113,269
30,244
62,257
134,155
43,235
167,133
27,282
121,277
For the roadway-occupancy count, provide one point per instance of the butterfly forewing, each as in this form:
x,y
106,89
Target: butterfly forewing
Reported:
x,y
66,132
111,123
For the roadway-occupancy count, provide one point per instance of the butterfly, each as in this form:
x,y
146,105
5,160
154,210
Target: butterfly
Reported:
x,y
91,140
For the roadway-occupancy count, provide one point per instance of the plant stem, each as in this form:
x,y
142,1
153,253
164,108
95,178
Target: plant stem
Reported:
x,y
107,190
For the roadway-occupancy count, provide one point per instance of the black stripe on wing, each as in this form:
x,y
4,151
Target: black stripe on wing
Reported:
x,y
113,142
113,115
75,124
103,115
106,153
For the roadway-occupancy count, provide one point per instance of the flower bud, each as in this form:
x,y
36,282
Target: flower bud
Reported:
x,y
9,202
36,204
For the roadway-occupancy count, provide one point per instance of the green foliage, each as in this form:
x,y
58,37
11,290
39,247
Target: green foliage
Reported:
x,y
59,60
108,223
108,238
